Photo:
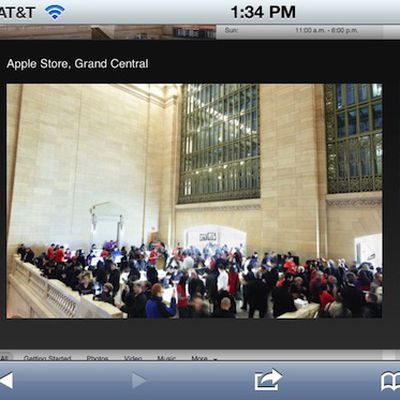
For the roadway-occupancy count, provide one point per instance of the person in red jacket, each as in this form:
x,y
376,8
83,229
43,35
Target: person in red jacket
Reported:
x,y
50,252
60,255
290,266
177,252
324,297
153,257
213,263
233,281
104,253
183,300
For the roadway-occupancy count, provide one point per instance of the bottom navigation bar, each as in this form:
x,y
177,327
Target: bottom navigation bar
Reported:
x,y
200,380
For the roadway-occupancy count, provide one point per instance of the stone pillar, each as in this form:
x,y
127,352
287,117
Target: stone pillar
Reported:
x,y
154,165
170,168
291,177
14,96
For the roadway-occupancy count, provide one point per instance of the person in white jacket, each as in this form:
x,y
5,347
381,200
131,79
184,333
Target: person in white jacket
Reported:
x,y
222,282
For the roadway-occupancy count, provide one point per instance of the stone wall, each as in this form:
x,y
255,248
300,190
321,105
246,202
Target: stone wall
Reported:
x,y
80,145
294,212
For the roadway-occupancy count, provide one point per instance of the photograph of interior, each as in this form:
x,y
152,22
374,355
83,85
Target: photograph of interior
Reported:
x,y
107,32
182,201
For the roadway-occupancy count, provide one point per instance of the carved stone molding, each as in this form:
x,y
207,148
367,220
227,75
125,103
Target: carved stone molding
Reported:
x,y
355,201
229,207
143,94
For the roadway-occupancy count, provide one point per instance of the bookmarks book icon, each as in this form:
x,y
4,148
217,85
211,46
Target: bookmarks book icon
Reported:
x,y
390,380
54,10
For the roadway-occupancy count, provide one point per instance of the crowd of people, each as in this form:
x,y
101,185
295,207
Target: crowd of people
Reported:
x,y
213,282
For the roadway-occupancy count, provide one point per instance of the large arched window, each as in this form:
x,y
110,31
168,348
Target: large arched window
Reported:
x,y
220,143
354,122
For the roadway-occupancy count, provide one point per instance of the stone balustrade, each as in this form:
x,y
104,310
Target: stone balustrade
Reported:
x,y
31,295
45,32
308,311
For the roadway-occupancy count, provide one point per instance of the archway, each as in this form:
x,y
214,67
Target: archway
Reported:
x,y
369,249
107,223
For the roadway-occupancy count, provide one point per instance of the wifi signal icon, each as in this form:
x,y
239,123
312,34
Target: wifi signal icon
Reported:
x,y
54,10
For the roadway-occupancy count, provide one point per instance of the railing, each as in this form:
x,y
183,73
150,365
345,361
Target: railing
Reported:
x,y
45,32
308,311
31,295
